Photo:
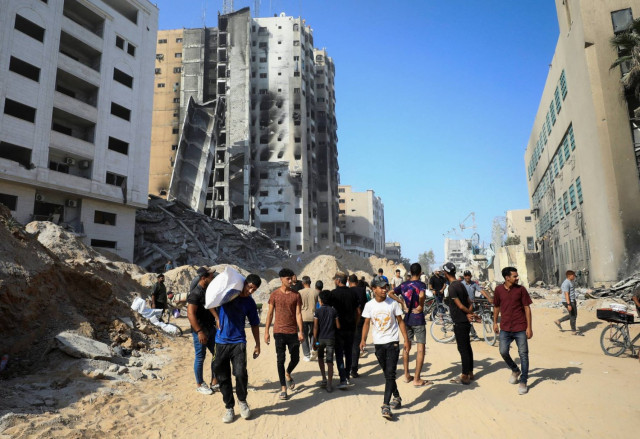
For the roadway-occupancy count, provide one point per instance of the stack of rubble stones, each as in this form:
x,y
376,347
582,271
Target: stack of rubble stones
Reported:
x,y
172,231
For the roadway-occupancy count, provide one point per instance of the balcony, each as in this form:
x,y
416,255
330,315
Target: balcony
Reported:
x,y
80,51
75,107
77,31
83,16
71,144
80,70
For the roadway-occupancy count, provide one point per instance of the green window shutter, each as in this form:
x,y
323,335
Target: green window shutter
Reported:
x,y
563,85
579,189
572,196
571,138
556,95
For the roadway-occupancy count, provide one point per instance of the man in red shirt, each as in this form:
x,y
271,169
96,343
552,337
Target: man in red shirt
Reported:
x,y
287,328
512,300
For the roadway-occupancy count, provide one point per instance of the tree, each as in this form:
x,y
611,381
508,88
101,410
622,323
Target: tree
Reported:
x,y
627,43
498,230
427,260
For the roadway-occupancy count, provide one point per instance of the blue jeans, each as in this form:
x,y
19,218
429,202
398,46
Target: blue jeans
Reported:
x,y
520,338
201,353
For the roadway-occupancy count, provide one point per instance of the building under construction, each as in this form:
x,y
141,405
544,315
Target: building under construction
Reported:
x,y
245,129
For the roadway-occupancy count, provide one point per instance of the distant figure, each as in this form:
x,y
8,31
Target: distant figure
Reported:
x,y
397,280
168,266
386,316
513,301
309,298
381,275
437,284
570,303
287,328
296,285
231,346
361,294
159,294
325,323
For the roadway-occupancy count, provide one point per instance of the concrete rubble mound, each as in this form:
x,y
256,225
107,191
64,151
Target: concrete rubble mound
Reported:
x,y
623,289
172,231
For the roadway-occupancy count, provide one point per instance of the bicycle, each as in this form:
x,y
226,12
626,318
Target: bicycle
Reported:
x,y
486,317
441,328
615,337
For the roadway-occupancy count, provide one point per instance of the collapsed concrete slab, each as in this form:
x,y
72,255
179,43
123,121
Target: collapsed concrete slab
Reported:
x,y
82,347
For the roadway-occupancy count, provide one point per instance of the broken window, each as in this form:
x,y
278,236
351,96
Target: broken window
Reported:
x,y
131,49
103,243
106,218
264,211
11,201
263,45
25,69
118,145
174,147
16,153
175,131
178,40
120,111
296,42
19,110
264,193
263,59
296,27
158,71
120,43
298,211
115,179
299,247
123,78
296,91
29,28
58,166
263,75
264,175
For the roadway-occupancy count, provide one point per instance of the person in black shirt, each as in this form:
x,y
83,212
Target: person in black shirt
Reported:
x,y
296,285
462,316
345,302
361,295
203,331
325,322
159,295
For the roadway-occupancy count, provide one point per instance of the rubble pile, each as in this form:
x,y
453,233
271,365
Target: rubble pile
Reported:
x,y
172,231
622,290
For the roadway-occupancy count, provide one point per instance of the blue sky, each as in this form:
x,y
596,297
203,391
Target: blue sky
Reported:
x,y
435,101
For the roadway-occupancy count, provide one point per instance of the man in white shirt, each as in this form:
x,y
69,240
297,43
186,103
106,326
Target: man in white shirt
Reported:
x,y
386,316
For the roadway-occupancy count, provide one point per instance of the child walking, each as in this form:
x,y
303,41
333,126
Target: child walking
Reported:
x,y
325,322
386,316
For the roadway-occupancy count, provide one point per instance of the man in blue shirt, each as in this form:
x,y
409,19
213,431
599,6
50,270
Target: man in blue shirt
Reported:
x,y
231,346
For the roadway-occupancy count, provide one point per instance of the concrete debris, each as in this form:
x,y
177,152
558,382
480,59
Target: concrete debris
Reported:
x,y
623,289
82,347
172,231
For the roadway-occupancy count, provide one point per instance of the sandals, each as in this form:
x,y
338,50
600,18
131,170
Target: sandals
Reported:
x,y
459,380
283,396
577,333
386,412
291,384
396,403
558,324
423,383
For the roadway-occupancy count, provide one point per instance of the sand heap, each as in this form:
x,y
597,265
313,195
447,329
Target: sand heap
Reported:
x,y
171,231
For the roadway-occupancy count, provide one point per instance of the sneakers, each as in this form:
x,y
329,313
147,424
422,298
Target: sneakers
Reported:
x,y
245,411
513,379
229,416
215,388
204,389
355,374
396,403
305,358
522,389
343,385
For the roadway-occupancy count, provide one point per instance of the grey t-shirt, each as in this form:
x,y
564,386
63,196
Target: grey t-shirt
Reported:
x,y
567,285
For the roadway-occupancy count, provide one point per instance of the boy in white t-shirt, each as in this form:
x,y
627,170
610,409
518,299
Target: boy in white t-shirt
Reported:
x,y
386,316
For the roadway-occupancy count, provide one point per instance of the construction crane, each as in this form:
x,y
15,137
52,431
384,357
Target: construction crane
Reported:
x,y
473,225
227,6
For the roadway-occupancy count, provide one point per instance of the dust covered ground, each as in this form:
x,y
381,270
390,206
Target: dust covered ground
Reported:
x,y
575,391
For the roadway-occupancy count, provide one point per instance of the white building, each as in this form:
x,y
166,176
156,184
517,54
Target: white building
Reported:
x,y
459,252
76,90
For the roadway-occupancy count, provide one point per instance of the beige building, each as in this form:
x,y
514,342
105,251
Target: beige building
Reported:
x,y
393,251
75,114
361,217
520,225
166,120
581,164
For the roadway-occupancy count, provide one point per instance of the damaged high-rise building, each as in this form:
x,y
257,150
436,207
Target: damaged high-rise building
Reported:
x,y
249,130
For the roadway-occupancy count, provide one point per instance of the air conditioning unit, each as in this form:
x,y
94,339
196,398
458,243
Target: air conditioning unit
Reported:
x,y
39,197
71,203
84,164
70,161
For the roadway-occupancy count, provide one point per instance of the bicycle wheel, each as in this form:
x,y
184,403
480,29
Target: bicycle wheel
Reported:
x,y
613,340
487,331
442,329
439,310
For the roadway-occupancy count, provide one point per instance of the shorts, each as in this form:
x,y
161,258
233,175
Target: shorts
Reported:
x,y
418,332
327,345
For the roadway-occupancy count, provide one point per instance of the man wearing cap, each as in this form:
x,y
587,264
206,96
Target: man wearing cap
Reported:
x,y
385,316
462,316
203,330
345,301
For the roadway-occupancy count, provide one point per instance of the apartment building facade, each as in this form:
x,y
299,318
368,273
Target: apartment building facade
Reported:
x,y
581,158
269,101
75,115
361,217
521,226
